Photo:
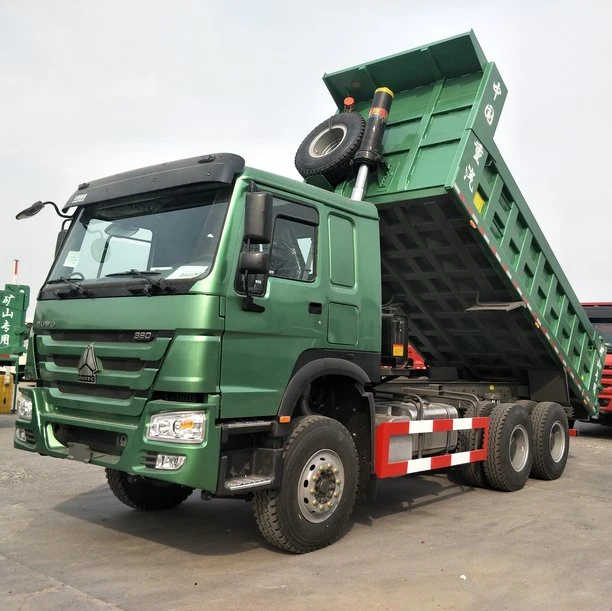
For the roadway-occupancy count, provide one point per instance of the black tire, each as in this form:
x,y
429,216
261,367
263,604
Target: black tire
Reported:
x,y
511,447
551,433
144,493
330,147
528,404
473,473
297,517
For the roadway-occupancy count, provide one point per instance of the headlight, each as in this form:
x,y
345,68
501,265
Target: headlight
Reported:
x,y
180,427
24,407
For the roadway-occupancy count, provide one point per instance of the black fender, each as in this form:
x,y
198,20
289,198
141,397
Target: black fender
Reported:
x,y
327,366
315,369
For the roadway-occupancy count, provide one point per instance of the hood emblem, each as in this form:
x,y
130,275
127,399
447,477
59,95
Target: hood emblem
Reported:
x,y
88,366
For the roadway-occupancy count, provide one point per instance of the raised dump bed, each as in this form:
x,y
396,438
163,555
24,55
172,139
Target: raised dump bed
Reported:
x,y
462,255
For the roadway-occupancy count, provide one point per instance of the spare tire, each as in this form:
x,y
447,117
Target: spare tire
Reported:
x,y
330,147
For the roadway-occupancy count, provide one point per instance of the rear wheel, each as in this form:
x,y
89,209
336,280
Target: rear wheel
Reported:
x,y
319,486
473,472
511,443
551,440
527,404
145,493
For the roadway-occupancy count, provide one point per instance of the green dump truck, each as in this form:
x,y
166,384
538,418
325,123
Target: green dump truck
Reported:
x,y
207,325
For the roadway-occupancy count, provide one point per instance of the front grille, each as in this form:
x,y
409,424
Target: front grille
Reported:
x,y
109,363
606,381
126,369
94,390
107,442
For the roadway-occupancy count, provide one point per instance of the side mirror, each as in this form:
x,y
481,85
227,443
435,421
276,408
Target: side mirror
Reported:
x,y
35,208
61,236
254,262
258,218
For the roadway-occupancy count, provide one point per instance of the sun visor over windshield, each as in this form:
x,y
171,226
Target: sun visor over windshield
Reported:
x,y
220,168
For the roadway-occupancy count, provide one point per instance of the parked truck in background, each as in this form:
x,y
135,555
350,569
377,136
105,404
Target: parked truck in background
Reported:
x,y
211,326
600,315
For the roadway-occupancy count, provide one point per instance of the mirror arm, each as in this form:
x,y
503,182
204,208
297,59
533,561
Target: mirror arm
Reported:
x,y
58,211
248,305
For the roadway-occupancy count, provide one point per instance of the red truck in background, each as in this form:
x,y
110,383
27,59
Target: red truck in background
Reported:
x,y
600,315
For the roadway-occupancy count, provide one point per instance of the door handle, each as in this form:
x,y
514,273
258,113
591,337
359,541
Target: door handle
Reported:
x,y
315,308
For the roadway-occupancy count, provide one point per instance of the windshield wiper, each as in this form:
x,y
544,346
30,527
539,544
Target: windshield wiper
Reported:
x,y
134,272
159,285
74,288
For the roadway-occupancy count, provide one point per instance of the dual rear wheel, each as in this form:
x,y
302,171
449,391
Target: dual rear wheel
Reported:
x,y
525,439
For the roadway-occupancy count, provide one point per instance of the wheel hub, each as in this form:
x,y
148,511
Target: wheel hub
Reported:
x,y
327,141
320,486
557,441
519,448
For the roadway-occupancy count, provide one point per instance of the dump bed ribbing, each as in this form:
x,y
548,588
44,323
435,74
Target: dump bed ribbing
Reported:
x,y
462,255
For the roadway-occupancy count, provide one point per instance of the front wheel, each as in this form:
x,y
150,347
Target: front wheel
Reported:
x,y
319,486
145,493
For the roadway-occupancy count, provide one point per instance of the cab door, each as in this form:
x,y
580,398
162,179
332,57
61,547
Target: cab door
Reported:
x,y
260,349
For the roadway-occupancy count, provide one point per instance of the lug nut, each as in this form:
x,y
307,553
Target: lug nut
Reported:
x,y
336,494
329,465
335,471
338,482
314,504
315,478
322,468
312,491
330,504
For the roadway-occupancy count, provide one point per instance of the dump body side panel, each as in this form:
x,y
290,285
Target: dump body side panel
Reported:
x,y
462,255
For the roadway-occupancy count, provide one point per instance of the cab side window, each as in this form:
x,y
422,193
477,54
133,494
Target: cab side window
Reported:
x,y
293,247
292,250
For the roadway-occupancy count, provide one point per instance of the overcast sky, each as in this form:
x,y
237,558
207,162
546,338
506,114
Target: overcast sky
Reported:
x,y
93,88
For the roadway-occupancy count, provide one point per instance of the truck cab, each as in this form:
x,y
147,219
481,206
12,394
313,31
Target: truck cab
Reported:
x,y
146,303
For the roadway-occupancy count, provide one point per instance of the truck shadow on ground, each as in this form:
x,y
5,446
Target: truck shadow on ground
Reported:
x,y
223,527
589,429
410,493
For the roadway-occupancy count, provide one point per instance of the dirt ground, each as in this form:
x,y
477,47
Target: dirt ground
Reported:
x,y
428,542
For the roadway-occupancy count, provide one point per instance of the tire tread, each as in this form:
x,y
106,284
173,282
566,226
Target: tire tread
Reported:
x,y
541,468
473,473
495,467
335,166
164,497
266,502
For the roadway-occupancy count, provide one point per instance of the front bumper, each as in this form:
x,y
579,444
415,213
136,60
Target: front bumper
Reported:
x,y
132,452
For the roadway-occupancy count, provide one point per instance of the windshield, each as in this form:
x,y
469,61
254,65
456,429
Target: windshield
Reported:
x,y
604,328
168,239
